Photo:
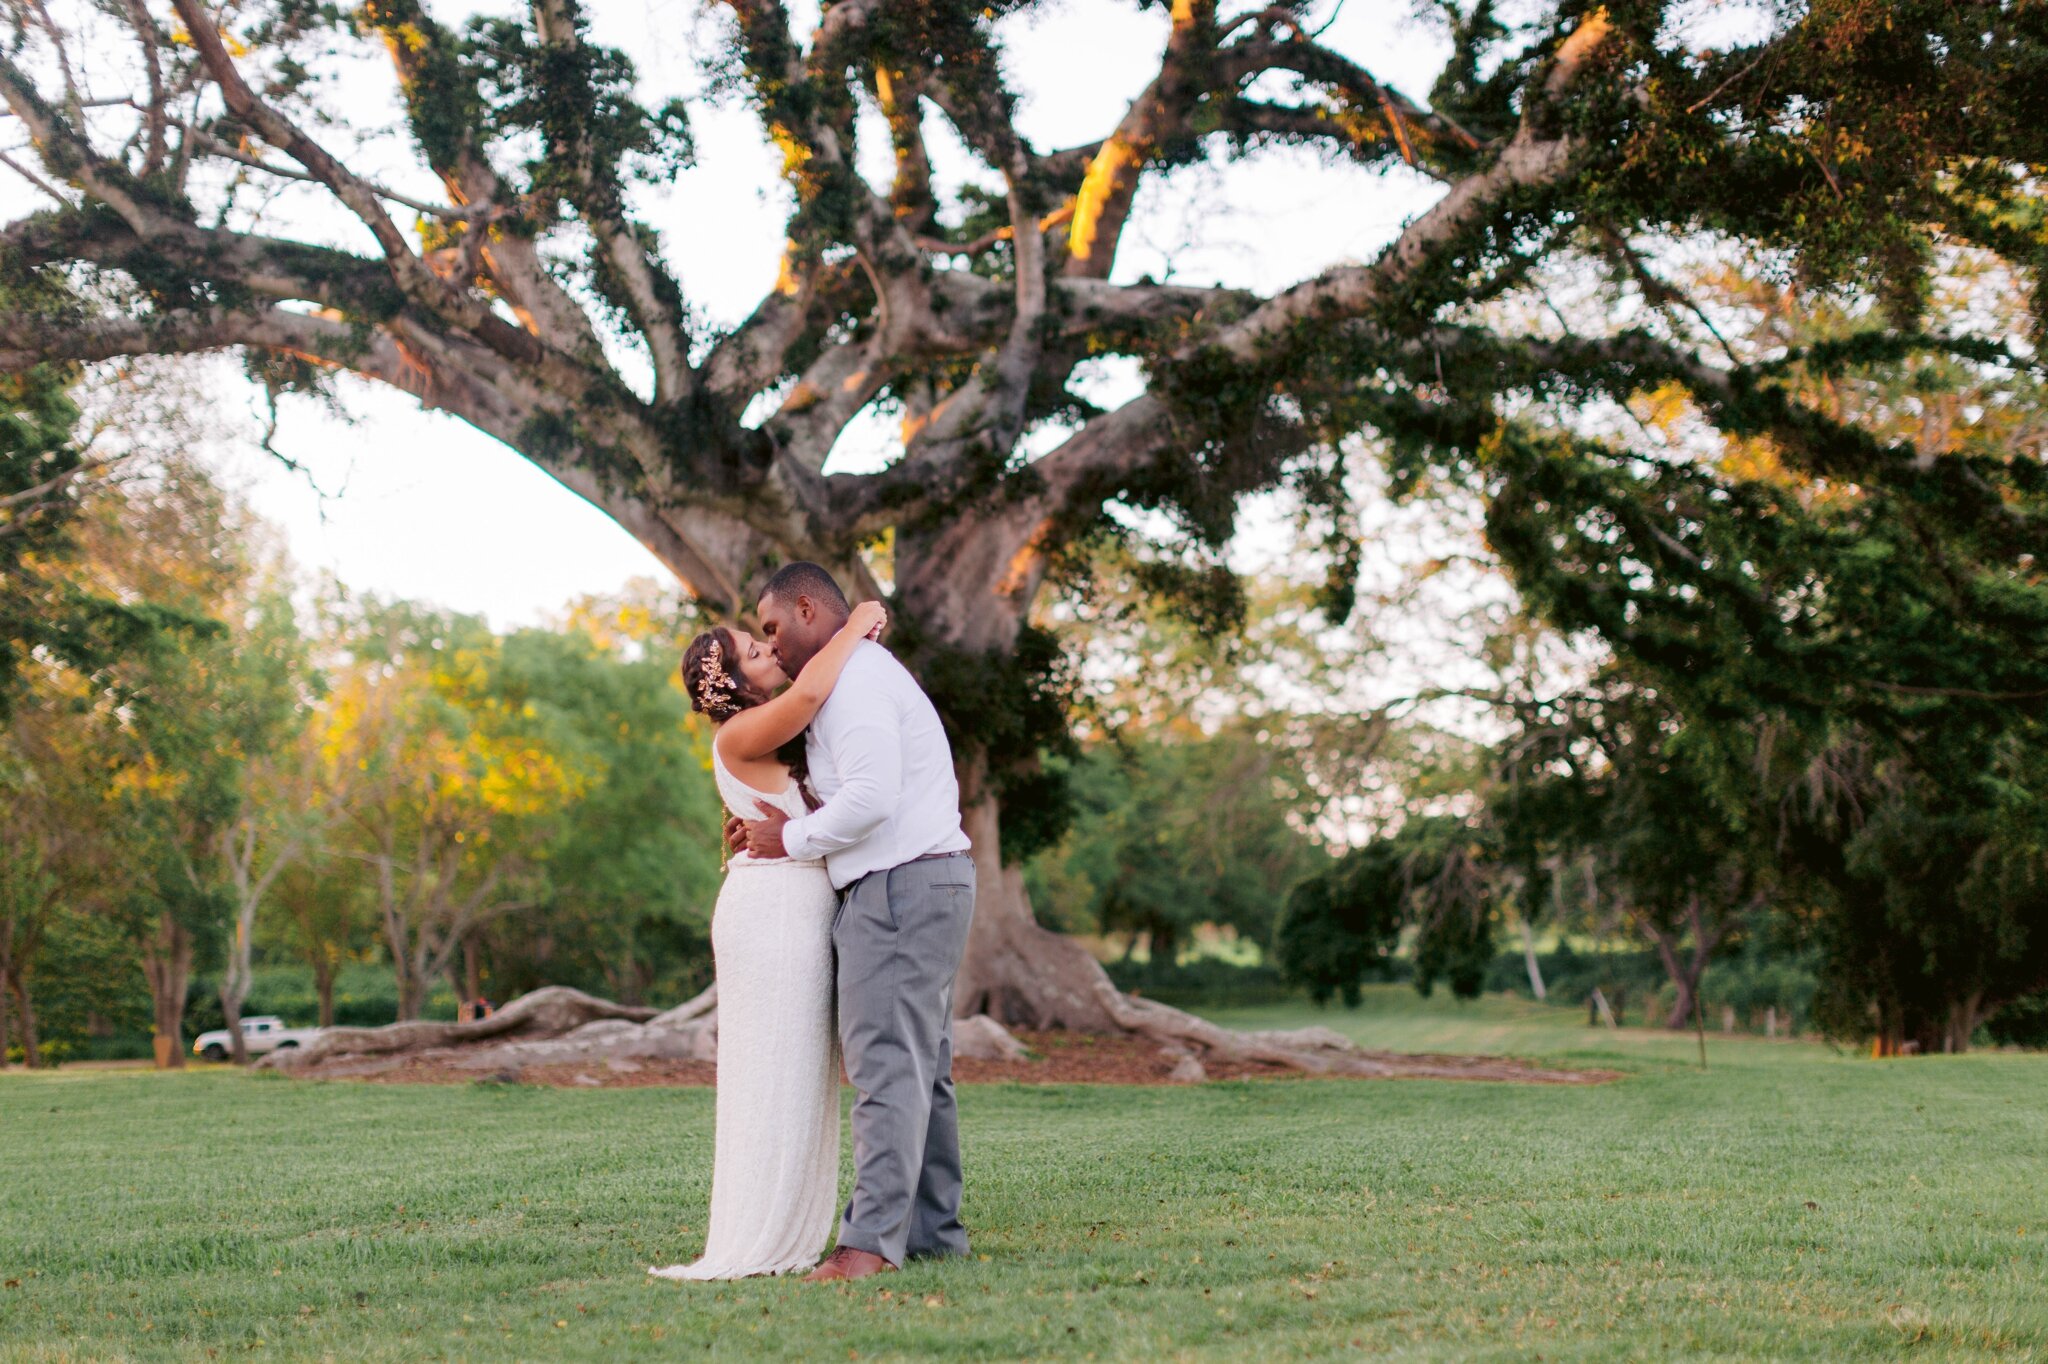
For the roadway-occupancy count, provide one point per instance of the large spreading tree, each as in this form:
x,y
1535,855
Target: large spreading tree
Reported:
x,y
1852,141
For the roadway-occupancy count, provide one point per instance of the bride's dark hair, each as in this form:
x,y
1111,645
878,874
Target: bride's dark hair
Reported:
x,y
712,676
719,690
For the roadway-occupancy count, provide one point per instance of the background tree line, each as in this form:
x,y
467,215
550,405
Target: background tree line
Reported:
x,y
208,764
1678,730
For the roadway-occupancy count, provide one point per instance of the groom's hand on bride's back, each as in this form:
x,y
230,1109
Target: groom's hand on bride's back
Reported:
x,y
735,833
764,836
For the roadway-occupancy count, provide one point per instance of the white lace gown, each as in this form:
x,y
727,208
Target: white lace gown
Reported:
x,y
775,1176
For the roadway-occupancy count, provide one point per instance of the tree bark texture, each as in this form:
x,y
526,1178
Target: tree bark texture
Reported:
x,y
25,1013
231,1010
167,963
20,939
1705,931
323,984
1529,961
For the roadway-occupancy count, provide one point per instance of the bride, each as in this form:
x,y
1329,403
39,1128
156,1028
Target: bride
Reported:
x,y
775,1177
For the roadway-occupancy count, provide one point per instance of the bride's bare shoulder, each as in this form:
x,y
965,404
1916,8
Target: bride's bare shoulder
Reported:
x,y
762,776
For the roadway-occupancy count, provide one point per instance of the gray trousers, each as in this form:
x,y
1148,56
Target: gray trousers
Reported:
x,y
899,935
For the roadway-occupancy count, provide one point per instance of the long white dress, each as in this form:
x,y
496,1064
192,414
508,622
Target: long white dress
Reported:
x,y
775,1175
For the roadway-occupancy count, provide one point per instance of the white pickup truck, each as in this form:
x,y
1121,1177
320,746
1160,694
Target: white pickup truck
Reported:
x,y
262,1033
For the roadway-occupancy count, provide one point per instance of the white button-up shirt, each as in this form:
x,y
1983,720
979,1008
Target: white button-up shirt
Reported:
x,y
880,763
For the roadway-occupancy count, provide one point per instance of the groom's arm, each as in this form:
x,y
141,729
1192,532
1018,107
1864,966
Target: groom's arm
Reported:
x,y
866,743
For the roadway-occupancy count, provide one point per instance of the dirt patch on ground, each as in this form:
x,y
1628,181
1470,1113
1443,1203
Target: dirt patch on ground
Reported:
x,y
1058,1058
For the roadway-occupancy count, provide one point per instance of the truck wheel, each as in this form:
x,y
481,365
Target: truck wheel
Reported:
x,y
215,1052
287,1046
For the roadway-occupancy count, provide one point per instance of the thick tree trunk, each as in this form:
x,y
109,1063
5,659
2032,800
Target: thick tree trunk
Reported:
x,y
412,994
1016,972
25,1010
1685,987
1682,983
1535,967
13,963
252,882
398,931
231,1010
234,987
629,980
1889,1019
1162,947
1960,1025
323,983
167,962
1685,972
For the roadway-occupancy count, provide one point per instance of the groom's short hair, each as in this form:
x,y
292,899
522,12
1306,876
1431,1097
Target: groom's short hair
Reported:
x,y
804,579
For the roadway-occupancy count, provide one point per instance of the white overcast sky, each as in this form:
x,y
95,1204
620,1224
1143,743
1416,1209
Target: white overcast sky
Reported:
x,y
429,509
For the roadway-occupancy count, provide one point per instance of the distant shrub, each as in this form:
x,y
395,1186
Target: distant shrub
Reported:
x,y
2022,1023
1343,925
1205,983
54,1052
1751,982
365,996
1340,928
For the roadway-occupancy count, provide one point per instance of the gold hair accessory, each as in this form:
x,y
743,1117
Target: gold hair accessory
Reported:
x,y
714,679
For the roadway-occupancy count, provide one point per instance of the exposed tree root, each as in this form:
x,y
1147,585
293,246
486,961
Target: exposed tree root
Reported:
x,y
1030,977
555,1024
981,1038
1314,1051
561,1026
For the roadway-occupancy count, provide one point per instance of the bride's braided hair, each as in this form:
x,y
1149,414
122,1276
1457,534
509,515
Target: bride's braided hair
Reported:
x,y
719,690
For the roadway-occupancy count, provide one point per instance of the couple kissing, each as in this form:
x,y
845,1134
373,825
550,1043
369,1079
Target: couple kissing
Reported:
x,y
850,882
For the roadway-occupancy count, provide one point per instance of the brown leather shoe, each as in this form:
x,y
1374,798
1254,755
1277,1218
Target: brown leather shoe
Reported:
x,y
847,1263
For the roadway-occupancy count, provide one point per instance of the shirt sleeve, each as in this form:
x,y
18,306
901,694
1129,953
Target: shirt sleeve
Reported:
x,y
866,742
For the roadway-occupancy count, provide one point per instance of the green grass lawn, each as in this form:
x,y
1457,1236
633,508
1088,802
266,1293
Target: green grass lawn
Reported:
x,y
1790,1202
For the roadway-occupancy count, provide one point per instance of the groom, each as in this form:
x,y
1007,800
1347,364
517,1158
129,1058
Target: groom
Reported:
x,y
889,831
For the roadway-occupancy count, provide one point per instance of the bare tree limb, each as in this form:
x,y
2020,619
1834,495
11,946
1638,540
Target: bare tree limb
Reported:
x,y
1103,204
214,147
359,196
652,298
408,270
543,306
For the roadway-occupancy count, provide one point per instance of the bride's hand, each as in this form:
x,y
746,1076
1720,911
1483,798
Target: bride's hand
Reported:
x,y
868,619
